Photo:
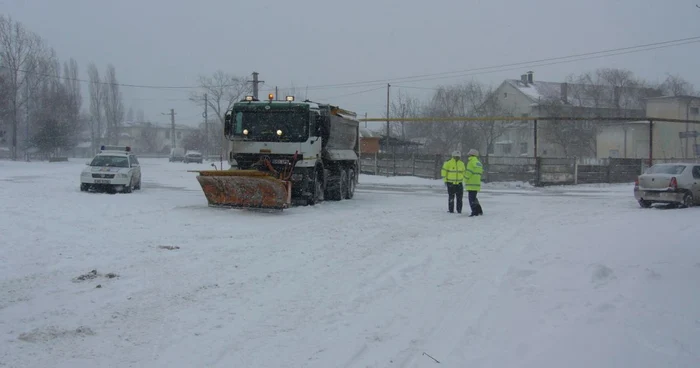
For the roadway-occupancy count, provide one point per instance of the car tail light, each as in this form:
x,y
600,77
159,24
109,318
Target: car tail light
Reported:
x,y
673,184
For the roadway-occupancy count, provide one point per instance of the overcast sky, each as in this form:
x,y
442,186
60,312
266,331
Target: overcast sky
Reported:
x,y
312,42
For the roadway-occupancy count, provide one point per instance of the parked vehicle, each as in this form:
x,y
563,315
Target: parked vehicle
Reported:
x,y
676,183
177,154
193,156
114,168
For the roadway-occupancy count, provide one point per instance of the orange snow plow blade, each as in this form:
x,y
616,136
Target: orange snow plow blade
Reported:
x,y
244,189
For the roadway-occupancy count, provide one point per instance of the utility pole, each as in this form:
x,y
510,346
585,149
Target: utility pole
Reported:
x,y
365,120
388,131
255,82
276,97
172,127
206,126
26,149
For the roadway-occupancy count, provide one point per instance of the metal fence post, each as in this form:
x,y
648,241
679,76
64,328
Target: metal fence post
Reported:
x,y
376,163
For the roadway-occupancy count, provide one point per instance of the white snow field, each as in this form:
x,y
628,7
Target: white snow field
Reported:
x,y
553,277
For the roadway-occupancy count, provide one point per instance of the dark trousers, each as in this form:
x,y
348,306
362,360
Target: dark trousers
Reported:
x,y
474,203
455,190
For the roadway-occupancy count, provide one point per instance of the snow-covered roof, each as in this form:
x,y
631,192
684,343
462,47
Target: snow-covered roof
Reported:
x,y
366,133
579,95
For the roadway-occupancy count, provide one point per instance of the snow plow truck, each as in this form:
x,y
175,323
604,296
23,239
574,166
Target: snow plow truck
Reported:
x,y
284,153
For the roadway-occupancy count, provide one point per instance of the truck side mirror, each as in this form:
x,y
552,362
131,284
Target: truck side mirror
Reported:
x,y
318,125
227,125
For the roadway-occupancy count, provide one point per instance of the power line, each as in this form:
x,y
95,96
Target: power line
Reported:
x,y
602,53
433,76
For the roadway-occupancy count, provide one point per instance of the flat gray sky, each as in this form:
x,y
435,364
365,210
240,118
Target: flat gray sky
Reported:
x,y
312,42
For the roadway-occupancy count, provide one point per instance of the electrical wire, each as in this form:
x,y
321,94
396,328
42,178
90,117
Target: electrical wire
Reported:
x,y
432,76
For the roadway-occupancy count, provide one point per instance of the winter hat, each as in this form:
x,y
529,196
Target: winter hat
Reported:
x,y
456,154
473,152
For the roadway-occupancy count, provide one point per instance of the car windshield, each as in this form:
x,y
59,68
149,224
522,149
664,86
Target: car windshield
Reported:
x,y
265,125
666,169
111,161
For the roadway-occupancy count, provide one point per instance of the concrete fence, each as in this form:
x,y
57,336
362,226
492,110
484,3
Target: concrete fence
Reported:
x,y
540,171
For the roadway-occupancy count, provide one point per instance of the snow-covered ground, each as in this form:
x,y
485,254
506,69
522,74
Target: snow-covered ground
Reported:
x,y
553,277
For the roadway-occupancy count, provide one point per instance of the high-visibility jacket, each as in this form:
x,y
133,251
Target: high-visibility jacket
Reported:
x,y
472,176
453,171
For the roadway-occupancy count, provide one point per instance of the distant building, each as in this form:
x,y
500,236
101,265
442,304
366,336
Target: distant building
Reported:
x,y
671,140
527,97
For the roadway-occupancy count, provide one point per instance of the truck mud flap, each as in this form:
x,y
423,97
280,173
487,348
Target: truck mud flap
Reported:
x,y
244,189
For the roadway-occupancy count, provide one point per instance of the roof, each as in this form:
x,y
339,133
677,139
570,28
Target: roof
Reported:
x,y
366,133
312,105
578,95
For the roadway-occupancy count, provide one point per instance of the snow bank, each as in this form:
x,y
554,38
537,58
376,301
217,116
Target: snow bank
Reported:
x,y
157,278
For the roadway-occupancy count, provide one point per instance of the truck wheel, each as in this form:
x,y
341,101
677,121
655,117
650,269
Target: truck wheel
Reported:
x,y
350,184
84,187
317,194
336,189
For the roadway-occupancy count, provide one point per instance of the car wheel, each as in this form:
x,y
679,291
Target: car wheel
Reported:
x,y
84,187
688,201
644,204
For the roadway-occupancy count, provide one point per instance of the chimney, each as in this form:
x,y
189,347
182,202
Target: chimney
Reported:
x,y
523,78
529,77
564,92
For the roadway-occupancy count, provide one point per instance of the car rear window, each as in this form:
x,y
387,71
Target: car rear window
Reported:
x,y
666,169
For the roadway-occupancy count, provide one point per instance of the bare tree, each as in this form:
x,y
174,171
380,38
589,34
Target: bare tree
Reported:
x,y
96,91
72,89
24,60
675,85
130,114
56,113
222,90
606,92
148,137
140,115
113,105
403,106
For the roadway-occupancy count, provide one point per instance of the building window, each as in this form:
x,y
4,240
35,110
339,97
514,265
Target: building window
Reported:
x,y
507,149
523,148
524,116
694,110
614,153
490,149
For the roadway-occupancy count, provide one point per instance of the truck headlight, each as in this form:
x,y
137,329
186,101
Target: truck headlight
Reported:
x,y
84,174
123,176
279,132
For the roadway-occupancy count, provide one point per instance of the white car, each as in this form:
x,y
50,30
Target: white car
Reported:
x,y
115,168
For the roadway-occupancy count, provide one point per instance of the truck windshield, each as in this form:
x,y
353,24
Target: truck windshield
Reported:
x,y
264,125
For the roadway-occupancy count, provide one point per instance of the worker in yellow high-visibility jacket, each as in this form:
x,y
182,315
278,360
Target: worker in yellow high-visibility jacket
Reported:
x,y
472,181
453,175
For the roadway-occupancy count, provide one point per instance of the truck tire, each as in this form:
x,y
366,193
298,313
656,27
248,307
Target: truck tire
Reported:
x,y
317,194
336,185
350,191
